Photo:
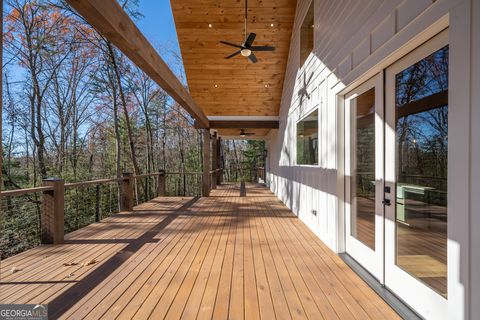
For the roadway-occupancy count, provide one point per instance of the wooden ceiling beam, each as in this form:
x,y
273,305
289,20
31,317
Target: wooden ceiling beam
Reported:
x,y
243,124
235,133
110,20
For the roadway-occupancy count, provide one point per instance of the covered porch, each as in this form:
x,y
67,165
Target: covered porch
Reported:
x,y
238,254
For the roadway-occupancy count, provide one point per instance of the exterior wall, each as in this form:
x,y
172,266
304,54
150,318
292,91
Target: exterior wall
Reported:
x,y
355,40
474,163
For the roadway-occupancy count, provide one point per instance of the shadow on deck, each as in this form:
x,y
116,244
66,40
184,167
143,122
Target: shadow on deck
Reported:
x,y
237,254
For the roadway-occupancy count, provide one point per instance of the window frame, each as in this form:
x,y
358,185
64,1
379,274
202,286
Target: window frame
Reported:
x,y
302,118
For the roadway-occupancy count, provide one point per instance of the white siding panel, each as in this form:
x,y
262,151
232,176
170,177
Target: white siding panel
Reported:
x,y
410,9
475,160
361,52
383,32
345,66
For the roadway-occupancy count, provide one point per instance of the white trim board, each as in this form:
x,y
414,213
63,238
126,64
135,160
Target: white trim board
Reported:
x,y
243,118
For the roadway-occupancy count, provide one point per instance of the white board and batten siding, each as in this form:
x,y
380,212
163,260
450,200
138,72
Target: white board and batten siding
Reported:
x,y
354,40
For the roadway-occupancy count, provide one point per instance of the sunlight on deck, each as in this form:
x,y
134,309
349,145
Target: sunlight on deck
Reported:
x,y
226,256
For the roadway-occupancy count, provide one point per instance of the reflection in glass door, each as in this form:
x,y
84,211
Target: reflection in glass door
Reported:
x,y
421,99
364,169
416,172
362,192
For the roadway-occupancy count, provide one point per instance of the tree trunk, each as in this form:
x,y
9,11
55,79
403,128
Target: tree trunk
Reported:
x,y
136,168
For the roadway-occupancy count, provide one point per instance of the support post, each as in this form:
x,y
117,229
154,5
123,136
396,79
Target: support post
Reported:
x,y
214,161
126,202
52,217
206,164
161,184
97,203
219,161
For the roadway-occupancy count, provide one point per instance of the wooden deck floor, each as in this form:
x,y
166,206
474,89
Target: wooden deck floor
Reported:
x,y
226,256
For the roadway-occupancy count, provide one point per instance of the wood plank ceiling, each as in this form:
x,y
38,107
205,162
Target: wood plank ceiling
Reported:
x,y
234,87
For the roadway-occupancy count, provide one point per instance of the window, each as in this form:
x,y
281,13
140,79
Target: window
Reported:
x,y
306,35
307,139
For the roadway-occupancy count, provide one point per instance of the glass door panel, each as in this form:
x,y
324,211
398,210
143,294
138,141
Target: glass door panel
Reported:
x,y
363,178
364,170
422,146
416,149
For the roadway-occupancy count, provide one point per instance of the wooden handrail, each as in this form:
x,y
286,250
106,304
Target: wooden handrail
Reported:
x,y
21,192
89,183
193,173
146,175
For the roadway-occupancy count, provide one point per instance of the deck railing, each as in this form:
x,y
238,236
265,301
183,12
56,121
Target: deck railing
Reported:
x,y
44,214
184,183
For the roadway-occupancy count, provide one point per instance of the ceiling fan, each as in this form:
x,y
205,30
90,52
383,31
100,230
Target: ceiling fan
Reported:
x,y
247,48
244,134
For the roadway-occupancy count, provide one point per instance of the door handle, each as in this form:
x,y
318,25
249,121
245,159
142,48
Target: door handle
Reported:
x,y
387,202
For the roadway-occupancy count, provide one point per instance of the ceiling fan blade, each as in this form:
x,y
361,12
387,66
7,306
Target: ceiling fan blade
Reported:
x,y
251,37
249,133
252,58
233,54
231,44
262,48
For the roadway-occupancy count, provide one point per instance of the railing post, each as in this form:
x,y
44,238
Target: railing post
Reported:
x,y
184,183
126,202
53,211
219,161
213,180
206,163
161,184
213,177
97,203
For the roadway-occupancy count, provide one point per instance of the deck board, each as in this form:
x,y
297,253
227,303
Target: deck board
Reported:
x,y
223,257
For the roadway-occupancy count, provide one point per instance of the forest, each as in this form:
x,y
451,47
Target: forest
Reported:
x,y
75,108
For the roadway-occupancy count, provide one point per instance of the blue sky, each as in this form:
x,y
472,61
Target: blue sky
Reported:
x,y
159,28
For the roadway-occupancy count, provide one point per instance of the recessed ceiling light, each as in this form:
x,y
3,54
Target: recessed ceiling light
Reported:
x,y
209,25
271,24
215,85
266,86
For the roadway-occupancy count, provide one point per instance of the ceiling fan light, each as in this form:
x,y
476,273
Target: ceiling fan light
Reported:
x,y
246,52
